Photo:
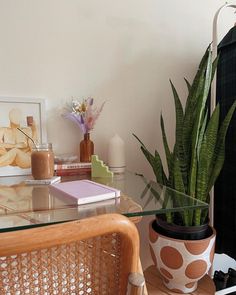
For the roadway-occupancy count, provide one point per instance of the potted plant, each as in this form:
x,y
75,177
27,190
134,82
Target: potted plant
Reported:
x,y
193,167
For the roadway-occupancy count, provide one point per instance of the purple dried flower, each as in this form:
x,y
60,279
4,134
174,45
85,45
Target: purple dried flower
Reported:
x,y
84,114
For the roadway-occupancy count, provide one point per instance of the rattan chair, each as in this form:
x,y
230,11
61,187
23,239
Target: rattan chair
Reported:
x,y
93,256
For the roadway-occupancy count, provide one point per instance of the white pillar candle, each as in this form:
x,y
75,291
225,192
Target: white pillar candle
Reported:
x,y
116,154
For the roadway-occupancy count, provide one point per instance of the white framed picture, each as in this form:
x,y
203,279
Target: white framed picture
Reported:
x,y
27,114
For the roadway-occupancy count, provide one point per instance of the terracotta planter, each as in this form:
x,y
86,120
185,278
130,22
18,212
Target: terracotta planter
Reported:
x,y
181,263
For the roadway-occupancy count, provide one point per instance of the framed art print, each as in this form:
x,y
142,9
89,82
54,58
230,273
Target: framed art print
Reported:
x,y
28,115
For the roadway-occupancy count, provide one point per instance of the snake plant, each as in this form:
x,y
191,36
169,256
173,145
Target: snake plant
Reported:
x,y
199,149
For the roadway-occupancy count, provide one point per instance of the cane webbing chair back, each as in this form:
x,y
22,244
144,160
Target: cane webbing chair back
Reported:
x,y
92,256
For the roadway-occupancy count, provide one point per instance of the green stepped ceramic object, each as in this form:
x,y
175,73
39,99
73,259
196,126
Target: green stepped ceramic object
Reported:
x,y
99,169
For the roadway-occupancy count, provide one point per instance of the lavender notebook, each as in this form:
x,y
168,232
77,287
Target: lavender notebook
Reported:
x,y
85,191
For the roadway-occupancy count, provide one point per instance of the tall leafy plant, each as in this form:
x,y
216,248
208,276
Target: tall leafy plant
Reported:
x,y
199,150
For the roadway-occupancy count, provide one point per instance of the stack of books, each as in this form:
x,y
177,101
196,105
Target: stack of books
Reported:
x,y
70,169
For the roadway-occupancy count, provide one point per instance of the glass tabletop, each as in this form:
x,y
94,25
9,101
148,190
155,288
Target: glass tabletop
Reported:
x,y
23,206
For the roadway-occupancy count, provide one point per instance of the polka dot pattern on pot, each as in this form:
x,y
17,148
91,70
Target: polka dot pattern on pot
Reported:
x,y
180,262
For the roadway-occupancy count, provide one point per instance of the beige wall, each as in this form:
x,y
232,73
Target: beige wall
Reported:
x,y
122,51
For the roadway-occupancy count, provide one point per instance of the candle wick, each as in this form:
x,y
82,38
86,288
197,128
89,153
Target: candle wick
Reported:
x,y
27,136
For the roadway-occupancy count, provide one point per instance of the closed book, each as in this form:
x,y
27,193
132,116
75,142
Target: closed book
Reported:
x,y
71,172
72,165
85,191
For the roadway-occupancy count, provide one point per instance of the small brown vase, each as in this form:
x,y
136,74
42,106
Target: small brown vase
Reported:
x,y
86,148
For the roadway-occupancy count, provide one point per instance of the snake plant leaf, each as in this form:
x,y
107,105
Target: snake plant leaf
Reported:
x,y
211,137
150,158
179,117
179,113
178,180
159,162
142,144
219,152
202,179
202,102
157,168
201,134
206,155
194,91
196,86
166,146
188,85
179,186
191,112
197,125
170,181
155,162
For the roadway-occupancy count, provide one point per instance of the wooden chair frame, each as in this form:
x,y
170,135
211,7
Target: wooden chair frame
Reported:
x,y
28,240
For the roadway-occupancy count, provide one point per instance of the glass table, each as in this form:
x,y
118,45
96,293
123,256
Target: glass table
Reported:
x,y
25,206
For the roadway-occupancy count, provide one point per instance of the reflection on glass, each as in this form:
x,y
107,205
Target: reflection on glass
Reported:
x,y
15,197
139,197
40,198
